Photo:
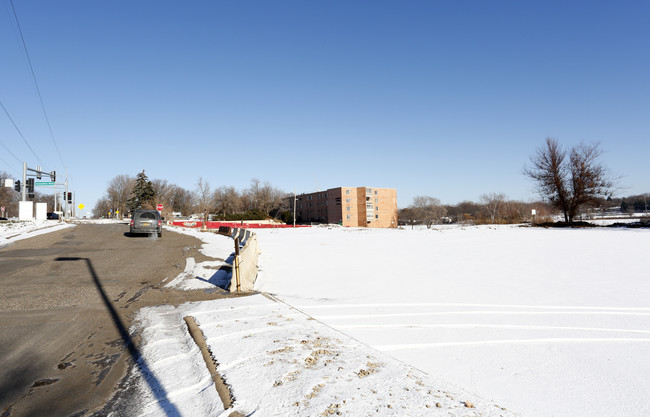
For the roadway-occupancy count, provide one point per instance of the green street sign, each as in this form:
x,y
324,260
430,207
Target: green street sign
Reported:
x,y
44,183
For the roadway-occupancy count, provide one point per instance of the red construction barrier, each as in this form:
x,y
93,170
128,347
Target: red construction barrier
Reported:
x,y
216,225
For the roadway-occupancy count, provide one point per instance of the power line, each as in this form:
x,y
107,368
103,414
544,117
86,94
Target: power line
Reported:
x,y
21,134
38,90
9,152
10,167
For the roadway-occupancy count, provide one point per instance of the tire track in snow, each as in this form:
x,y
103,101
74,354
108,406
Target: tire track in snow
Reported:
x,y
377,317
395,305
474,312
412,346
489,326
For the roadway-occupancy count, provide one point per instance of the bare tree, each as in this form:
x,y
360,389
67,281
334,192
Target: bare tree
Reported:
x,y
227,201
181,200
264,197
568,185
102,208
8,197
427,210
118,192
163,191
493,204
464,212
408,216
203,196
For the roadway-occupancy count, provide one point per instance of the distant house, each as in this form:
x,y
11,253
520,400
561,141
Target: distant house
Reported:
x,y
348,206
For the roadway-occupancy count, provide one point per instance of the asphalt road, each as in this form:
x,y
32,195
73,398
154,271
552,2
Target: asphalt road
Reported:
x,y
67,301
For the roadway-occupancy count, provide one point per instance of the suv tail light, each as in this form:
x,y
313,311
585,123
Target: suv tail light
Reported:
x,y
159,223
132,223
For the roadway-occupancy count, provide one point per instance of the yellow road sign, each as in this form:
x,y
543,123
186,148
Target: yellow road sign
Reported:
x,y
81,206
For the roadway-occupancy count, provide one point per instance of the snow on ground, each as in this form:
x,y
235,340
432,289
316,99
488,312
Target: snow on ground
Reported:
x,y
278,361
207,274
547,322
610,221
12,231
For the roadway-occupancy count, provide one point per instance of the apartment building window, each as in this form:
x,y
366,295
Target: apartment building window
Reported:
x,y
347,192
348,208
375,192
376,216
369,206
349,217
377,208
376,200
347,200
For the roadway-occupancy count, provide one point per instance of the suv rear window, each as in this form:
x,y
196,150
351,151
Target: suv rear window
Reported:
x,y
147,215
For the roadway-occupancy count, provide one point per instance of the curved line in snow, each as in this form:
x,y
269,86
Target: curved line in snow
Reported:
x,y
414,346
489,326
393,305
492,312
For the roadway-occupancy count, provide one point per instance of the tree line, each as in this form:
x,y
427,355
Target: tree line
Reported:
x,y
568,180
125,193
492,208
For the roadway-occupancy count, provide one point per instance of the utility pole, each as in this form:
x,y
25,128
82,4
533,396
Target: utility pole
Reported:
x,y
24,183
294,207
66,214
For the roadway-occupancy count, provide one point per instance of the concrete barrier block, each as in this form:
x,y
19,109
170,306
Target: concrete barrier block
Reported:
x,y
248,256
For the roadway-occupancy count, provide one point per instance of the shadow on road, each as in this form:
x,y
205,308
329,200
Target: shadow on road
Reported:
x,y
155,386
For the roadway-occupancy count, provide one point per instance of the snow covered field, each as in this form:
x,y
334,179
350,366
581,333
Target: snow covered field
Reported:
x,y
546,322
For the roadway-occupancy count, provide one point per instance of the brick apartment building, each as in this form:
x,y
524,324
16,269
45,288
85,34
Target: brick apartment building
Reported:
x,y
349,206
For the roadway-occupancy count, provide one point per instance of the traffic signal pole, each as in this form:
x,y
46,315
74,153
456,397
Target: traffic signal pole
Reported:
x,y
24,183
67,204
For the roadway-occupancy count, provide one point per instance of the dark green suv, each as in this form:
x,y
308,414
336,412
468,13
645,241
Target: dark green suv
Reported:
x,y
146,221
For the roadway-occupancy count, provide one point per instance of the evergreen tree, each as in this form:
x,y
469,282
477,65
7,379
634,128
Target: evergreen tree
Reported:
x,y
143,194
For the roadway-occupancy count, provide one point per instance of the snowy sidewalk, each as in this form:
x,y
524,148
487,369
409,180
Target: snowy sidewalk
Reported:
x,y
278,361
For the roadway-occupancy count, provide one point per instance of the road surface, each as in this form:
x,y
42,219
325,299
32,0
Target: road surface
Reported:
x,y
67,302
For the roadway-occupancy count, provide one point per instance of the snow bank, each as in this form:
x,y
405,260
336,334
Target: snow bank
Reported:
x,y
14,231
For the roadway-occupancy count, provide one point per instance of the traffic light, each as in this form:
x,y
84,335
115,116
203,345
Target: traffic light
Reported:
x,y
69,197
53,176
30,185
17,185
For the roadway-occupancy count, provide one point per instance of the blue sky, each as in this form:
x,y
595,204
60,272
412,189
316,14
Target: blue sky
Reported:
x,y
447,99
